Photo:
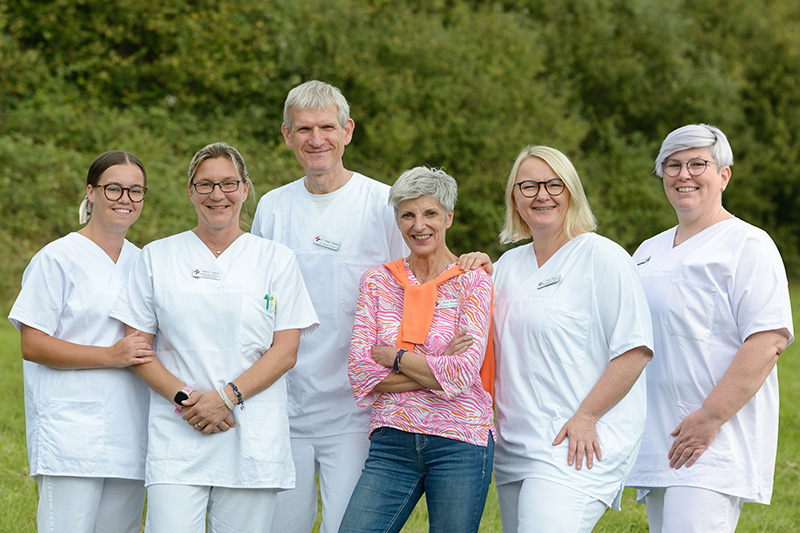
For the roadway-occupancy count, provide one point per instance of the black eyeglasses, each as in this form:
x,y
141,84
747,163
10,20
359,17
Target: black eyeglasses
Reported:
x,y
530,188
695,166
113,192
207,187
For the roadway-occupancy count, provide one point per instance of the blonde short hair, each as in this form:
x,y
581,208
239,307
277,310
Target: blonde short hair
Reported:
x,y
579,215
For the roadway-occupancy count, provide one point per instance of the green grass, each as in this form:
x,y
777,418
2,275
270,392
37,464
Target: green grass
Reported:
x,y
18,491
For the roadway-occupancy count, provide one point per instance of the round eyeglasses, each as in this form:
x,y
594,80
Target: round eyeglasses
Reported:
x,y
694,166
207,187
113,192
530,188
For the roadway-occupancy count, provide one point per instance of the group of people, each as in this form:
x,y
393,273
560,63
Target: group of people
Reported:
x,y
342,342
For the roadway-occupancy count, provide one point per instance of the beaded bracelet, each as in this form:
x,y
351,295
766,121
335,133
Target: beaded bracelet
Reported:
x,y
238,395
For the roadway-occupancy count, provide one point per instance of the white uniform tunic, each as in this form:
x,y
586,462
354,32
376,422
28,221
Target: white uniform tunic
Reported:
x,y
355,232
213,318
88,422
706,297
556,328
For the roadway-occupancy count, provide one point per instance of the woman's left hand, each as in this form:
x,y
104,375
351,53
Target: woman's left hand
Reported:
x,y
693,436
206,412
581,431
384,355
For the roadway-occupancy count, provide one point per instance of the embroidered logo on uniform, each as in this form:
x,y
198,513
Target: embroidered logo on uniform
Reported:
x,y
548,282
643,261
326,243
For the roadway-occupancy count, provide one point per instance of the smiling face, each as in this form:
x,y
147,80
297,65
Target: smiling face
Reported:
x,y
218,210
318,139
695,196
423,222
544,212
119,214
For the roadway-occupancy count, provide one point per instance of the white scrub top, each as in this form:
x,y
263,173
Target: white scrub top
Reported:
x,y
87,422
706,296
356,231
556,328
213,319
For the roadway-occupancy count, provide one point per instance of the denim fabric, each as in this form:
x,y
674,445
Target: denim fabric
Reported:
x,y
454,475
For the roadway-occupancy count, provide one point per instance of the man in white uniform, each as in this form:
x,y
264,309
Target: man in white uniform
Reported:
x,y
339,224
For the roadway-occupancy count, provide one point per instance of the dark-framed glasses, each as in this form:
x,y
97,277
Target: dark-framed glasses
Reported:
x,y
530,188
207,187
695,166
113,192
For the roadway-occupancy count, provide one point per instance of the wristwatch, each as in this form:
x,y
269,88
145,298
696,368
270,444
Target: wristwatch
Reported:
x,y
396,365
182,395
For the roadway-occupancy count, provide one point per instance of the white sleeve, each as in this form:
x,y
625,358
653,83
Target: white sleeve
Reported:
x,y
623,311
760,290
46,287
136,305
295,310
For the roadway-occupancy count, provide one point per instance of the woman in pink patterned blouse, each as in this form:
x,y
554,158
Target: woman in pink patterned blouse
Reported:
x,y
416,353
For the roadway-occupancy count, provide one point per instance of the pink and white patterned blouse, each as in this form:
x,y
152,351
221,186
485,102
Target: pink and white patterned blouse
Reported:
x,y
462,410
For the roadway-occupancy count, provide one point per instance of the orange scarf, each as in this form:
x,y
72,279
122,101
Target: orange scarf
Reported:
x,y
419,302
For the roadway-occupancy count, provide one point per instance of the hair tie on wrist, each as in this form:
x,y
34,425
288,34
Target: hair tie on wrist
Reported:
x,y
227,401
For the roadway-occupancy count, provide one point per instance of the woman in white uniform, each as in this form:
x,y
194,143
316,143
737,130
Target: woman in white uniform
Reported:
x,y
85,411
226,309
572,335
719,298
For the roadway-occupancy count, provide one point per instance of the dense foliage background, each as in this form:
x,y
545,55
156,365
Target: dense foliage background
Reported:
x,y
453,83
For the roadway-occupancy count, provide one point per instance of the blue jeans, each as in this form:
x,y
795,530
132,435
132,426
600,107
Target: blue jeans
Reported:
x,y
454,475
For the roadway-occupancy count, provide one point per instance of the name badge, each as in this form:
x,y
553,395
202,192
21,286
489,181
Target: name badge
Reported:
x,y
326,243
548,282
447,303
643,261
206,274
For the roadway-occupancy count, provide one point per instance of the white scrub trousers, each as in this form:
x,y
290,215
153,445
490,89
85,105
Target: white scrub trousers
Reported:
x,y
338,460
533,505
89,504
690,510
187,509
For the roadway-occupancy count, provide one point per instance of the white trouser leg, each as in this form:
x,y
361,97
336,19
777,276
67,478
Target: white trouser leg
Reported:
x,y
296,509
691,509
548,506
176,508
338,460
241,510
341,459
121,506
508,495
68,503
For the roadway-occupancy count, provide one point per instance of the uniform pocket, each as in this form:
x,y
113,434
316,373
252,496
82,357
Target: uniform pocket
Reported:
x,y
256,325
75,429
566,336
690,309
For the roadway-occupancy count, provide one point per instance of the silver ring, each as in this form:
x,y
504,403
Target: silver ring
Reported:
x,y
199,426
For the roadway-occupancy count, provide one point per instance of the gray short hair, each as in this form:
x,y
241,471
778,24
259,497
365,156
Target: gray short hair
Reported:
x,y
579,219
424,181
315,94
217,150
696,136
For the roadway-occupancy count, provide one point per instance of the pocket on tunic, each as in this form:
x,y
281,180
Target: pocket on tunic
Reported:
x,y
690,309
566,336
256,326
75,430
